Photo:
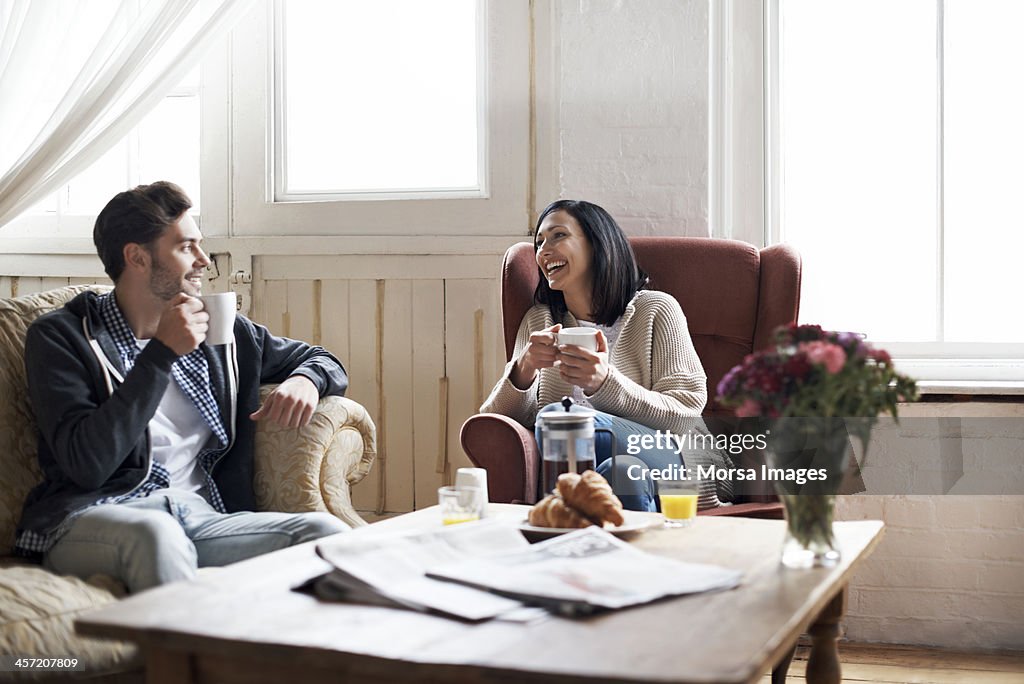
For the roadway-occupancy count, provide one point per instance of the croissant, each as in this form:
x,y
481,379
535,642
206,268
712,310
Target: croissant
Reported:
x,y
591,495
551,511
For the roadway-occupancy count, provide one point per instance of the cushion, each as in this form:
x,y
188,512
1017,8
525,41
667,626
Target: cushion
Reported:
x,y
37,613
18,435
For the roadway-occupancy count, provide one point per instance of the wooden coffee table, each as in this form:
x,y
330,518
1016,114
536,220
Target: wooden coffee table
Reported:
x,y
244,624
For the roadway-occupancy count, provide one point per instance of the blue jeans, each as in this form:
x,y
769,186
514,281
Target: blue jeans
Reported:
x,y
165,536
636,493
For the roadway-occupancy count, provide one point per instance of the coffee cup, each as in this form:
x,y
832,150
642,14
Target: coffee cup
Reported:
x,y
221,307
581,337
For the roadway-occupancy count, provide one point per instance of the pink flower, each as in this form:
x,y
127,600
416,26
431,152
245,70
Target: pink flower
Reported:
x,y
827,354
748,409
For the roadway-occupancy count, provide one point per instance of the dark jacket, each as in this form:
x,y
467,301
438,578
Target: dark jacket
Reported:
x,y
94,443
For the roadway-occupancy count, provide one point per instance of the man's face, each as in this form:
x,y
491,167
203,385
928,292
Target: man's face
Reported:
x,y
178,260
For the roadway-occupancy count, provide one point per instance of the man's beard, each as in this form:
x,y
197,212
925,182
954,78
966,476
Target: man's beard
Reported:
x,y
165,284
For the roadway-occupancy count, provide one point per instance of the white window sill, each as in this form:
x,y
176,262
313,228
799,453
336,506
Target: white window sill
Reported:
x,y
971,387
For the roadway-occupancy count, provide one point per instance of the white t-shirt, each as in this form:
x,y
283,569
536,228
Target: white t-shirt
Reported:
x,y
611,334
177,433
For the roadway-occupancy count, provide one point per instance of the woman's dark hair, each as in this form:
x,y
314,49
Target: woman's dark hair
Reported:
x,y
138,215
616,274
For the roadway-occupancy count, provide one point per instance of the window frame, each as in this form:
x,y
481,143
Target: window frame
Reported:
x,y
500,209
743,189
279,133
62,223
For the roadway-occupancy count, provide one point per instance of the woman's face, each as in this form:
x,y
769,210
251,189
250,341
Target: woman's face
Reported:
x,y
564,253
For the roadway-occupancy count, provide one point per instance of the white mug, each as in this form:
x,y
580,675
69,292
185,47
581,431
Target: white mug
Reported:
x,y
581,337
221,307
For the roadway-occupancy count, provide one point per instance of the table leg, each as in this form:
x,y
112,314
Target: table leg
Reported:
x,y
823,663
781,669
164,666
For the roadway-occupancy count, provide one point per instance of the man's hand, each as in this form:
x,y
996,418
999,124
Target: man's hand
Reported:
x,y
540,352
291,404
582,367
183,324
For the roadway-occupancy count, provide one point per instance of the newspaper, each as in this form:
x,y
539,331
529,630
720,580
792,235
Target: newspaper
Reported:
x,y
391,568
587,570
486,569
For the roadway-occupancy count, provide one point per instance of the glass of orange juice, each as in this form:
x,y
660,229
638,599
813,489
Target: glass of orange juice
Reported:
x,y
461,503
678,501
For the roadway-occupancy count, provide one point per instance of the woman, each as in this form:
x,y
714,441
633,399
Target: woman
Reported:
x,y
645,377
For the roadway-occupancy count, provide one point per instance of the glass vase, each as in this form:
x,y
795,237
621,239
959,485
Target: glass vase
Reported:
x,y
809,541
805,445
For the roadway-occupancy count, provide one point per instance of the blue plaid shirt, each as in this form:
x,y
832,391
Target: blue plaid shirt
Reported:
x,y
192,373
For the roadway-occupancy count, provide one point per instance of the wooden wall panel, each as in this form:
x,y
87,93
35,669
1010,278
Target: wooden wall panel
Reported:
x,y
474,352
421,353
428,383
301,309
17,286
362,365
334,319
273,307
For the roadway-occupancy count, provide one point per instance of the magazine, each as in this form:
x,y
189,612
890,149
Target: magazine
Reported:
x,y
486,569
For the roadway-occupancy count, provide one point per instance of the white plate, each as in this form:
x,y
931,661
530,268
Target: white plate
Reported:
x,y
635,523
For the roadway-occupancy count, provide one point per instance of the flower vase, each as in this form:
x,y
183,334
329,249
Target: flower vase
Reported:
x,y
809,541
821,445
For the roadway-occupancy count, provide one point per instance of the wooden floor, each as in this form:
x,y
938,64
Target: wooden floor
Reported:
x,y
883,664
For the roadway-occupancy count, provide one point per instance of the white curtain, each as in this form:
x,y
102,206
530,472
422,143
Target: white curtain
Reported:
x,y
77,75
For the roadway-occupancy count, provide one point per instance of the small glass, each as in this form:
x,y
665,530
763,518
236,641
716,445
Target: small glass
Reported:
x,y
678,501
461,503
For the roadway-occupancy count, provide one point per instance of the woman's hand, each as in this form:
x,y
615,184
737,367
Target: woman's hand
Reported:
x,y
540,352
582,367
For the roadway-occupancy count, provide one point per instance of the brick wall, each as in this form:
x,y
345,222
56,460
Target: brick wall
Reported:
x,y
633,121
950,569
949,572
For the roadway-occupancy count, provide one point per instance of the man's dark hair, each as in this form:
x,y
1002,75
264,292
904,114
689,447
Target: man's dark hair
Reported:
x,y
616,274
139,215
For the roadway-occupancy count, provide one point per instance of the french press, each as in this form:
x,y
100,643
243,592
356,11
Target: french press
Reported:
x,y
567,442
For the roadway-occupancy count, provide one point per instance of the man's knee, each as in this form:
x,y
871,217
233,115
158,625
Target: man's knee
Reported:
x,y
158,536
317,525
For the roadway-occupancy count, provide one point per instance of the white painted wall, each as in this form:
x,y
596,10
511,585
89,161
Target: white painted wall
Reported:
x,y
633,120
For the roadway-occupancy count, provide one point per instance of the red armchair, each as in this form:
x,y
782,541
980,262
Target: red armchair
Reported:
x,y
733,296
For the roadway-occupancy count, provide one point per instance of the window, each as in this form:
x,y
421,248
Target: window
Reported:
x,y
895,171
165,146
394,117
377,98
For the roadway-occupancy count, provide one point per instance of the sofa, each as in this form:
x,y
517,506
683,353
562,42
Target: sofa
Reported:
x,y
733,294
309,469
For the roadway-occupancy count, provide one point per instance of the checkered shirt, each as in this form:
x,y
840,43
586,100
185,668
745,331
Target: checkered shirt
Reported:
x,y
192,373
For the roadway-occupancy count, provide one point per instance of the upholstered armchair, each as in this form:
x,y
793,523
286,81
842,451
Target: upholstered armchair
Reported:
x,y
733,296
309,469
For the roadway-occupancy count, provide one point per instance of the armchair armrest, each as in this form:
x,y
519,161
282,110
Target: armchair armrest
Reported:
x,y
312,468
508,452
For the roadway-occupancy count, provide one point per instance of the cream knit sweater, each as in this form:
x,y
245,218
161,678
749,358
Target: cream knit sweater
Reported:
x,y
655,377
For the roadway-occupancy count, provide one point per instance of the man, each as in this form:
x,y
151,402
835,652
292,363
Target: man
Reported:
x,y
146,433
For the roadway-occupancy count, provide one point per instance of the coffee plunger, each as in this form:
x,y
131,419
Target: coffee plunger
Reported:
x,y
567,442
